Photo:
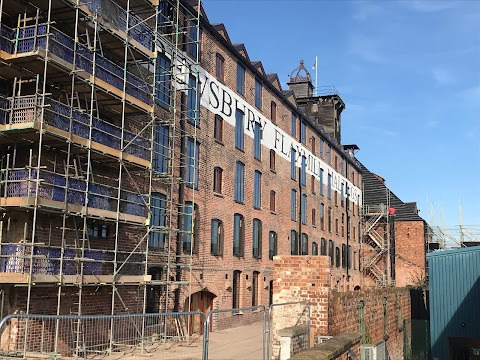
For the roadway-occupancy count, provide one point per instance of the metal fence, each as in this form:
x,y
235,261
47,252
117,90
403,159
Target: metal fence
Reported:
x,y
244,333
166,335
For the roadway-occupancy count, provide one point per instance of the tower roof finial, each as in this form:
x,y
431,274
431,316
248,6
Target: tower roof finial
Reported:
x,y
297,76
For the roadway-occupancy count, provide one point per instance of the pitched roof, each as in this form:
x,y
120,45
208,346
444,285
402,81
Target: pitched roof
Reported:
x,y
222,30
376,192
273,78
259,66
242,50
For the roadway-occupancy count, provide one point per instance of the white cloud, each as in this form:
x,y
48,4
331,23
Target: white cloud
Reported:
x,y
389,133
365,9
431,124
471,96
442,76
429,6
366,48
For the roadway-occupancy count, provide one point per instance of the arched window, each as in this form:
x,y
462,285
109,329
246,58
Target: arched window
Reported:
x,y
217,180
273,112
216,242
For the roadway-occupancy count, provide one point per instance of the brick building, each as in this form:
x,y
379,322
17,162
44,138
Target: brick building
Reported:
x,y
396,238
161,172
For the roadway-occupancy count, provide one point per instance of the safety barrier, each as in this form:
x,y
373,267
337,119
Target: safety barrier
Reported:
x,y
242,333
76,121
166,335
31,38
21,182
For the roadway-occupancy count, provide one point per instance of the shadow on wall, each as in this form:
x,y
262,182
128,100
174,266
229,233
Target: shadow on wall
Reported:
x,y
420,324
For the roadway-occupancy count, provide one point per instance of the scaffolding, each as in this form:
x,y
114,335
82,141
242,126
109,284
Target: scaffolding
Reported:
x,y
376,242
99,108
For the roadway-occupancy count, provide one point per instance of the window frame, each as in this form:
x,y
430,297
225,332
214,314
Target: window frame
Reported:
x,y
293,130
217,234
257,239
239,184
194,221
257,141
293,205
218,129
220,67
331,252
158,219
303,173
257,190
323,246
273,111
321,181
322,216
240,86
303,132
272,160
258,94
303,209
192,162
294,245
162,81
273,205
304,245
293,164
272,244
217,179
161,149
239,130
238,235
193,101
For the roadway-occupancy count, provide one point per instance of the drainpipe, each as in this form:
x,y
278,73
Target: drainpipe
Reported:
x,y
181,190
391,216
347,224
299,243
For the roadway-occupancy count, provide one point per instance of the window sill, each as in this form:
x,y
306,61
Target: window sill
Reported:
x,y
242,150
273,212
240,202
273,171
219,142
257,208
237,313
258,159
218,195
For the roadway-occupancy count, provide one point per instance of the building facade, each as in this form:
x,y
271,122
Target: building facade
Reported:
x,y
396,239
161,172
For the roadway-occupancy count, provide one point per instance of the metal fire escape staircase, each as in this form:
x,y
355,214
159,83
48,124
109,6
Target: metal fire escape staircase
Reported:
x,y
375,217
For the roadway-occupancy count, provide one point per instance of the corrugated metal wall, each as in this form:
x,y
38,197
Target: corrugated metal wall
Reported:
x,y
454,282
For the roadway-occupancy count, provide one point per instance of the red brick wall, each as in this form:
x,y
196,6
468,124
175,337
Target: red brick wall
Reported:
x,y
303,278
410,263
344,315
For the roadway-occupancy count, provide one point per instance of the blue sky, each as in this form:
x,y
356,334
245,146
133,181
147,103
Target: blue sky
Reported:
x,y
409,73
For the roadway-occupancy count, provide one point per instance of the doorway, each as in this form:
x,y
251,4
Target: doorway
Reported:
x,y
154,292
201,301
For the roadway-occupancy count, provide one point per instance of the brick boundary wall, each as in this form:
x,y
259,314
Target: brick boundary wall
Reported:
x,y
306,278
344,316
